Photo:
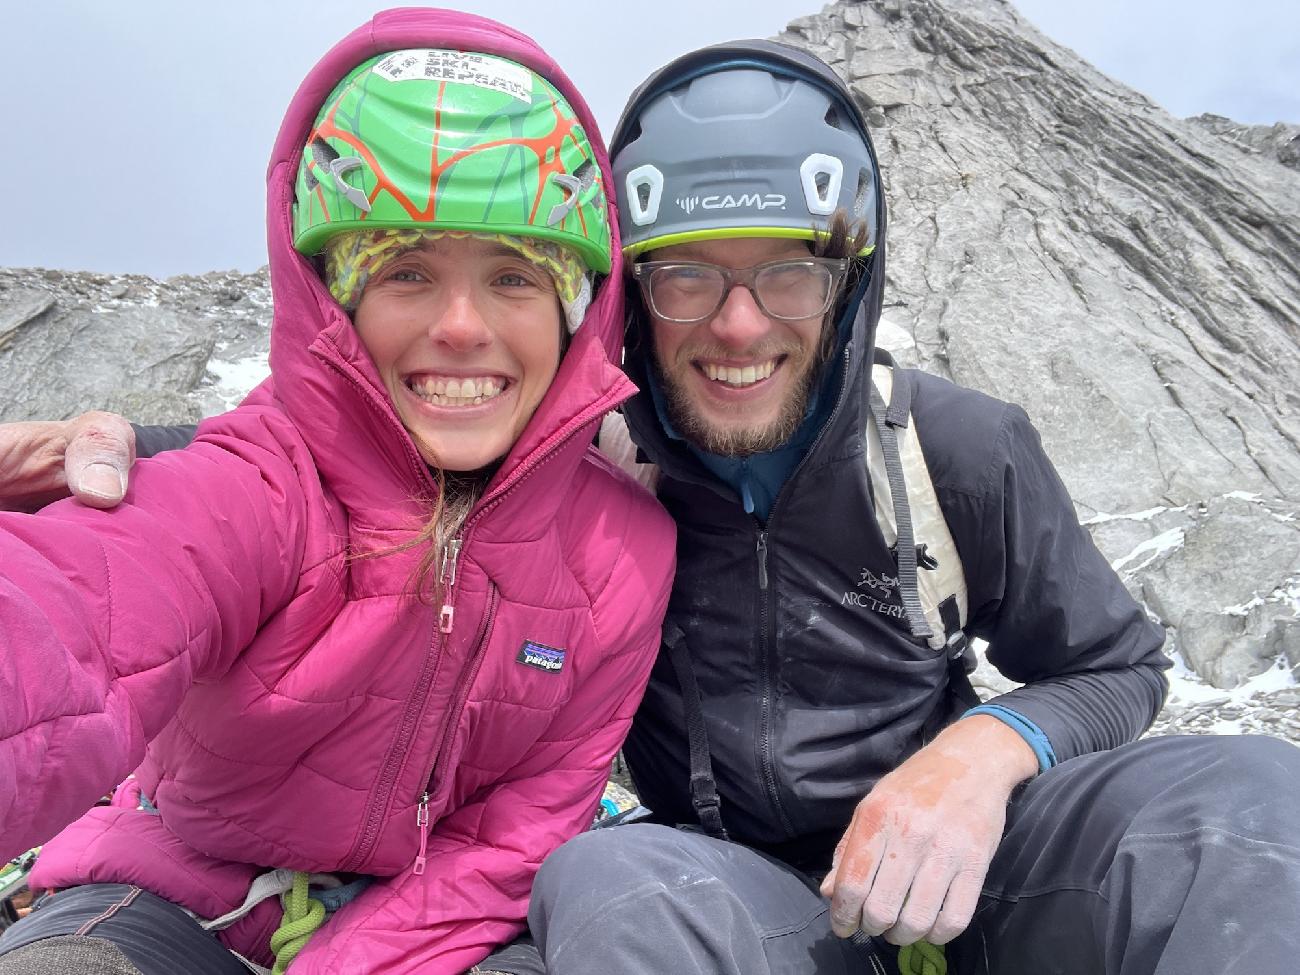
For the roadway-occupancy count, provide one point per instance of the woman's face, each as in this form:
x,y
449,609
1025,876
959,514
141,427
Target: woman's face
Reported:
x,y
465,334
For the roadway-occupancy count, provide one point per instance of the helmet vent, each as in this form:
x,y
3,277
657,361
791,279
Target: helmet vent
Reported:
x,y
322,154
645,190
821,176
864,192
833,118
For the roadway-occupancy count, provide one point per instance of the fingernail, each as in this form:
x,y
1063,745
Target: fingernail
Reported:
x,y
103,481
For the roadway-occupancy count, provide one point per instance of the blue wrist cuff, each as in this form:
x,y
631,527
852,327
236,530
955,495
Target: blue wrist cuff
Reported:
x,y
1026,729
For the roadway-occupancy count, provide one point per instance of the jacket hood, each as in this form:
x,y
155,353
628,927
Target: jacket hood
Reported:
x,y
858,314
322,375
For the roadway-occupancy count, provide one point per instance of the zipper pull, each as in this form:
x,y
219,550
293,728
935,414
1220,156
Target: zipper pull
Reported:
x,y
447,578
762,560
422,820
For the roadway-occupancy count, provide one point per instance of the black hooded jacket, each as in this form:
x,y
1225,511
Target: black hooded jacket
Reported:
x,y
809,694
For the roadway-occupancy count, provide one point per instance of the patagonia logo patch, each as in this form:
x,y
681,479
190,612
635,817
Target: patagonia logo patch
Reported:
x,y
541,656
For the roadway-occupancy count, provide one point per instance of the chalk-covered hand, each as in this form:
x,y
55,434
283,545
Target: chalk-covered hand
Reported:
x,y
88,456
913,860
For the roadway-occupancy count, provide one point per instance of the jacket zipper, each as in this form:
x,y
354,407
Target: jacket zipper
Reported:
x,y
446,618
767,619
382,793
464,682
418,698
422,821
447,571
447,580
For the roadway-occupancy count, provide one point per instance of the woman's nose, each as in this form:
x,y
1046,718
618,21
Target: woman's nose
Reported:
x,y
461,324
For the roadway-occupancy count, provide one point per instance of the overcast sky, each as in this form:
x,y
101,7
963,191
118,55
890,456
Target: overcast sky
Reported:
x,y
137,133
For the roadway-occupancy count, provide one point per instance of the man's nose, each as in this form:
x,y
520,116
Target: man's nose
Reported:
x,y
739,323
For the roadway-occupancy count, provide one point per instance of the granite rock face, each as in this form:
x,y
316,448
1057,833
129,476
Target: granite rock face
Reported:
x,y
1132,279
158,352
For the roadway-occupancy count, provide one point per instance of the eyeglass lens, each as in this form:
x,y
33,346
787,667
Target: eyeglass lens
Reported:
x,y
790,290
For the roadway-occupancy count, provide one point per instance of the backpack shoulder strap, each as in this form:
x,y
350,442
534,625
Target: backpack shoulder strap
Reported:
x,y
941,583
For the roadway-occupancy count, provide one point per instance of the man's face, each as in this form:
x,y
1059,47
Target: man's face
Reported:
x,y
736,383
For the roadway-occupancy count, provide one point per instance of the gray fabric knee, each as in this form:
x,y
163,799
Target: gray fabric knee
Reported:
x,y
625,855
67,954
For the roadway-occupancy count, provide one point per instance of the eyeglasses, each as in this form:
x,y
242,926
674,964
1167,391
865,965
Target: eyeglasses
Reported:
x,y
789,290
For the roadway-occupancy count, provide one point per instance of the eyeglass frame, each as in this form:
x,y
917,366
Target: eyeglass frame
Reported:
x,y
731,277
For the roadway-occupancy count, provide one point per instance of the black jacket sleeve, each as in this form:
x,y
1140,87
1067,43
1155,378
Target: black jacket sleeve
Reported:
x,y
1056,616
154,440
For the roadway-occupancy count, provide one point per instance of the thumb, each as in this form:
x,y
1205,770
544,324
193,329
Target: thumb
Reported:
x,y
828,884
101,448
99,484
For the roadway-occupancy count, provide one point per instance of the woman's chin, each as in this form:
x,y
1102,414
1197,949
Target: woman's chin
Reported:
x,y
461,454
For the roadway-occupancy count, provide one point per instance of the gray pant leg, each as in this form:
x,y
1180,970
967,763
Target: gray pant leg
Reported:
x,y
1165,857
520,957
67,954
637,899
108,926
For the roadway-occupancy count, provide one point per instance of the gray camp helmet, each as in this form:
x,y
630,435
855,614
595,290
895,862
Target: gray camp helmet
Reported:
x,y
741,151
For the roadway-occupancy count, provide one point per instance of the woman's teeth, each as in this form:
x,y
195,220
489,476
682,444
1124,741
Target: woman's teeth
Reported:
x,y
733,376
456,392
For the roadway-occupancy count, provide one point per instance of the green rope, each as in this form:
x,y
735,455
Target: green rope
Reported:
x,y
922,958
302,916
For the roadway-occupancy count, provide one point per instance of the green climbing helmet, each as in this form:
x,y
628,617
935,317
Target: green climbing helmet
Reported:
x,y
450,140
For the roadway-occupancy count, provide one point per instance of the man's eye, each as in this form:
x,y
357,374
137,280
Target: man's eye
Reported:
x,y
688,278
512,280
788,275
405,274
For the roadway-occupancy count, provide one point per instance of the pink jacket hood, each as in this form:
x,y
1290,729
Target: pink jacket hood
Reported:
x,y
310,327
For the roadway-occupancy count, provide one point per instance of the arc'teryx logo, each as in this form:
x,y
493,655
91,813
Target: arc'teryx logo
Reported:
x,y
719,201
882,584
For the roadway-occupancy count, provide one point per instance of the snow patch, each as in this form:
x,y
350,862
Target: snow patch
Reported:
x,y
235,378
1243,496
1227,728
1185,687
1288,594
893,338
1154,548
1147,515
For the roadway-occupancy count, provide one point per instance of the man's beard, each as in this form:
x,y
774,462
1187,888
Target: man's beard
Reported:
x,y
739,441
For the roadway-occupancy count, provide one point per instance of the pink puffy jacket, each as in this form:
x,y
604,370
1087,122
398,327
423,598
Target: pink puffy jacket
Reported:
x,y
287,706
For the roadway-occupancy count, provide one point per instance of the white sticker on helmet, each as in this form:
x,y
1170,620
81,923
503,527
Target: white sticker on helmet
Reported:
x,y
479,70
821,176
645,190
